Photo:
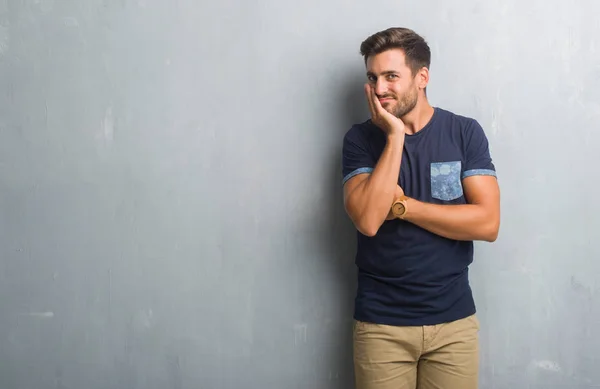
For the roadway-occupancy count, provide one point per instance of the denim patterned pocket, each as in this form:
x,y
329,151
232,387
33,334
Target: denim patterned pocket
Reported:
x,y
445,180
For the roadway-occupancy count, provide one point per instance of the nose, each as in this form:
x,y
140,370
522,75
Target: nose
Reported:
x,y
380,87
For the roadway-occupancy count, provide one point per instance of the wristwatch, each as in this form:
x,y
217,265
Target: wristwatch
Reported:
x,y
400,206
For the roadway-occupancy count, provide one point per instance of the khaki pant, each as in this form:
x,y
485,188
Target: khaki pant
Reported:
x,y
444,356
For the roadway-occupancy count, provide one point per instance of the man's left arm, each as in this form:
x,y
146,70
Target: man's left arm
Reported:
x,y
479,219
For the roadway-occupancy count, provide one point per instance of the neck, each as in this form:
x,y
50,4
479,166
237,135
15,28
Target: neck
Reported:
x,y
421,114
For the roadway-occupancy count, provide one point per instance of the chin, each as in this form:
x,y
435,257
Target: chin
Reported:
x,y
391,108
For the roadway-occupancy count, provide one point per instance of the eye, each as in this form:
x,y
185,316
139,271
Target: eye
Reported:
x,y
372,78
392,76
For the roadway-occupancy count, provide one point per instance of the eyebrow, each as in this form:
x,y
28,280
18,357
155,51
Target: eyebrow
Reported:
x,y
384,73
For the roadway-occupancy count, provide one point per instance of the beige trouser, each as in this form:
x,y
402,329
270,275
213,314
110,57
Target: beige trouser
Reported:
x,y
444,356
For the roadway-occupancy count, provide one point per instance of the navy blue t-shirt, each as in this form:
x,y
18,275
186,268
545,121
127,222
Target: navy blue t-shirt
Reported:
x,y
407,275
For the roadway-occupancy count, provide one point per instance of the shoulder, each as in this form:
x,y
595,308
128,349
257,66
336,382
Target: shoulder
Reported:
x,y
361,133
465,127
359,130
459,121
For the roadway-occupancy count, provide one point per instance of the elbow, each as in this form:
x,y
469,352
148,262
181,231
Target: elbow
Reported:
x,y
367,226
364,221
490,237
369,231
490,232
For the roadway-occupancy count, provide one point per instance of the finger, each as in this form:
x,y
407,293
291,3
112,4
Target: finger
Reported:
x,y
369,93
376,103
378,110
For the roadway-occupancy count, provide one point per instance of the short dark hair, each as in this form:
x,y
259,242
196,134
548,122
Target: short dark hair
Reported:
x,y
416,49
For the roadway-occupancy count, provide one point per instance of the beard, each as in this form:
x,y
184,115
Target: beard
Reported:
x,y
406,103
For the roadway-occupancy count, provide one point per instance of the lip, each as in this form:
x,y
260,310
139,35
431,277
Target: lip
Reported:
x,y
385,100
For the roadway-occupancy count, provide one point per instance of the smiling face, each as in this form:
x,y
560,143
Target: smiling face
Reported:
x,y
393,81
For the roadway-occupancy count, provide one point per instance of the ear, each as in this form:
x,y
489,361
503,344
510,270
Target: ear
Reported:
x,y
423,78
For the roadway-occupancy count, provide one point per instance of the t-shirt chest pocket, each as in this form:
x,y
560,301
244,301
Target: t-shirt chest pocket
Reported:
x,y
445,180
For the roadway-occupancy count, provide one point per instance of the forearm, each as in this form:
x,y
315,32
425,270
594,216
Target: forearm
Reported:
x,y
370,202
459,222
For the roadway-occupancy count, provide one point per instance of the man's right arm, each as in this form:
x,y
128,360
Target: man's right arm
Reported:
x,y
369,196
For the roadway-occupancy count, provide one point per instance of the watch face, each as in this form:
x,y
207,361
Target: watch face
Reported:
x,y
398,208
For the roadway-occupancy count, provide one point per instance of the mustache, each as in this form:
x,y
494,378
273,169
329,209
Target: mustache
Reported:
x,y
386,97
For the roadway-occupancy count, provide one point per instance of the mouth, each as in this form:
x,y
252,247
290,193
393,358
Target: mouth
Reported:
x,y
383,100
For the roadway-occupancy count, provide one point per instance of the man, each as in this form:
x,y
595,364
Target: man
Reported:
x,y
420,187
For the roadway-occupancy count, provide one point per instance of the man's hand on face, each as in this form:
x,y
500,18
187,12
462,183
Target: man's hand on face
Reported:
x,y
388,122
